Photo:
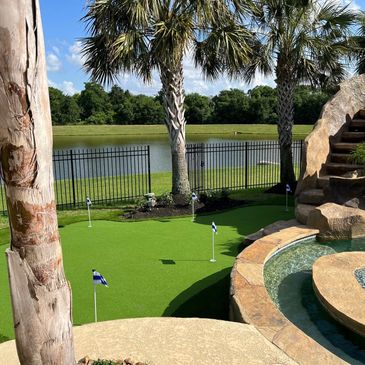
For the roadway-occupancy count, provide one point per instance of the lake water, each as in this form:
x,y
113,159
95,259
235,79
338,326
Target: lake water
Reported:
x,y
160,148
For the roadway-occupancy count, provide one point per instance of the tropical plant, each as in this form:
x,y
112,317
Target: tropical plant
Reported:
x,y
40,293
358,154
299,41
140,36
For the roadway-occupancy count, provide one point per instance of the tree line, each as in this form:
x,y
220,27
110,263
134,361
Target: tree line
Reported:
x,y
94,105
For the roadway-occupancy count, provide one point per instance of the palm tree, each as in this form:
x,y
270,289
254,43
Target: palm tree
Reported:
x,y
299,41
360,45
40,293
140,36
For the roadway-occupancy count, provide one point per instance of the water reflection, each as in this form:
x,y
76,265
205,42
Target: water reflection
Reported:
x,y
288,278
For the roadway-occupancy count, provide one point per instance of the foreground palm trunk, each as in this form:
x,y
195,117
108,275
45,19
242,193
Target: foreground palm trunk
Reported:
x,y
40,293
285,108
173,97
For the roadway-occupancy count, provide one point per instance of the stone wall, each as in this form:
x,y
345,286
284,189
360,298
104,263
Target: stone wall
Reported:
x,y
335,115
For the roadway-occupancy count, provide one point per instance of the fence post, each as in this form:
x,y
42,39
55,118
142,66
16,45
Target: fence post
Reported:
x,y
73,178
202,167
149,168
246,162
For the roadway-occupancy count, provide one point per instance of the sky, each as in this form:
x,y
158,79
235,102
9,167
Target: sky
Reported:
x,y
62,32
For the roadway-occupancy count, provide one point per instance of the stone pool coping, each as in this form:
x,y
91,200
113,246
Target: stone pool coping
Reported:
x,y
333,280
251,303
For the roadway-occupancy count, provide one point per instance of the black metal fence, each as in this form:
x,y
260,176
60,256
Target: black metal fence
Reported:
x,y
118,174
237,165
107,175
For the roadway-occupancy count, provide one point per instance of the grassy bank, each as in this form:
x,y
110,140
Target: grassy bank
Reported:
x,y
250,131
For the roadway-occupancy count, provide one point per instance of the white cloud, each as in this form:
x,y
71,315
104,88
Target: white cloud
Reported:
x,y
53,62
74,56
67,87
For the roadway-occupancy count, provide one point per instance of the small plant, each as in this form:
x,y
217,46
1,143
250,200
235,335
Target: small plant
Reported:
x,y
165,200
358,154
141,203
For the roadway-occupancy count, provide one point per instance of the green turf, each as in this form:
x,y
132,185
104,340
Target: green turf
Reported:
x,y
130,254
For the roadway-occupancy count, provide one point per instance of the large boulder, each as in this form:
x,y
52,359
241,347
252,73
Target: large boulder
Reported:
x,y
337,222
335,116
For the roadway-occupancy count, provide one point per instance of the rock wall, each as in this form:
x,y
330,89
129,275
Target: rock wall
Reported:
x,y
334,116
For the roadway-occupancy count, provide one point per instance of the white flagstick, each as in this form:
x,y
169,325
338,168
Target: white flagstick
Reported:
x,y
286,199
192,210
212,259
95,310
88,211
213,233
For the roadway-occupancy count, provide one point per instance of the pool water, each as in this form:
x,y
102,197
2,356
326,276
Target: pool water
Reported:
x,y
288,279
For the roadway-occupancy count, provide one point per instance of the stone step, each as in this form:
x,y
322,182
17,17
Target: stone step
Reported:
x,y
323,181
343,147
361,113
357,123
334,168
340,157
313,197
353,136
302,212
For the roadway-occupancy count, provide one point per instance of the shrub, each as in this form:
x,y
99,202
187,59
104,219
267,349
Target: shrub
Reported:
x,y
165,200
358,154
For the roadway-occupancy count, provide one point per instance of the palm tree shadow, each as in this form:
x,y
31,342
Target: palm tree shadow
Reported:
x,y
207,298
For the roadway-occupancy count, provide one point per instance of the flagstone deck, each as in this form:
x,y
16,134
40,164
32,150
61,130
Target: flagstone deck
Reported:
x,y
167,341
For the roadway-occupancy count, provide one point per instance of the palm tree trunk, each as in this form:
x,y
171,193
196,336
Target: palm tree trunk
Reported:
x,y
285,107
40,293
173,101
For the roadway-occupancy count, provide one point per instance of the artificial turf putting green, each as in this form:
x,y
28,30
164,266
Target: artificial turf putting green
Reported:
x,y
153,267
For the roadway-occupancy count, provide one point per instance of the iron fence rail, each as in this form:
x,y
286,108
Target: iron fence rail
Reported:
x,y
110,175
237,165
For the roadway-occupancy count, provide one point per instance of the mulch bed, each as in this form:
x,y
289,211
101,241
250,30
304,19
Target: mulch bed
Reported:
x,y
171,211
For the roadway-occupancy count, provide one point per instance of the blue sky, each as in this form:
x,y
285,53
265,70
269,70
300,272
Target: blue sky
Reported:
x,y
62,30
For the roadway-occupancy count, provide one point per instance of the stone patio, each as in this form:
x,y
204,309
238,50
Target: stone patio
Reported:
x,y
167,341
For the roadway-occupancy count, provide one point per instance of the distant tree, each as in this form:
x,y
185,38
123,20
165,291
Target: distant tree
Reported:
x,y
299,41
262,105
308,103
56,99
71,112
147,110
231,106
199,109
94,99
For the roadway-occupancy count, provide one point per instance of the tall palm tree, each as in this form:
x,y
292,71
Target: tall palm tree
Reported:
x,y
299,41
40,293
140,36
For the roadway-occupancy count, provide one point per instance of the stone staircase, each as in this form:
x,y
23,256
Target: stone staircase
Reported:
x,y
338,164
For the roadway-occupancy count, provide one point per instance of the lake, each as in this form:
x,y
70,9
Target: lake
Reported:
x,y
159,147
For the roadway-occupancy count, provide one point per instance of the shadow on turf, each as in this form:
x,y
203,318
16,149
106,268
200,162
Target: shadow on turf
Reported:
x,y
207,298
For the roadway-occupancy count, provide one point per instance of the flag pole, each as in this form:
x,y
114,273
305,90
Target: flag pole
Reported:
x,y
95,311
192,210
286,200
88,211
212,259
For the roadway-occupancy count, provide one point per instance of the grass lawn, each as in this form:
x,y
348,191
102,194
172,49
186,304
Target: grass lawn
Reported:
x,y
251,131
130,255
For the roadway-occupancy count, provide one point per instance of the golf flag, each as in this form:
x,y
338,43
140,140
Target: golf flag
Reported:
x,y
194,197
214,228
287,188
88,201
98,278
